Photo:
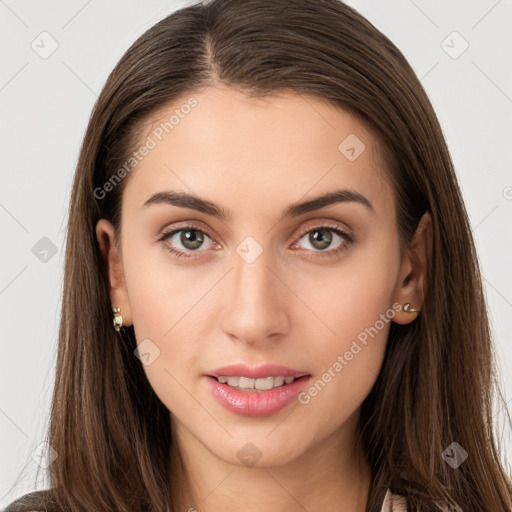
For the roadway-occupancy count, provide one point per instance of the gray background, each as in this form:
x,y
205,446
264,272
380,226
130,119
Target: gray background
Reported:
x,y
45,103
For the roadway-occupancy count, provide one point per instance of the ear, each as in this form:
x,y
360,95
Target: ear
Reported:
x,y
117,286
413,273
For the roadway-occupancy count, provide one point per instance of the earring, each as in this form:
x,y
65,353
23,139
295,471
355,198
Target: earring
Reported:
x,y
408,309
118,320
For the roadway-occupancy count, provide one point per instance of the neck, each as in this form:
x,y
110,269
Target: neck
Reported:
x,y
332,475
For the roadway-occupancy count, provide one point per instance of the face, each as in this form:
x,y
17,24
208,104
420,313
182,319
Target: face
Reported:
x,y
276,289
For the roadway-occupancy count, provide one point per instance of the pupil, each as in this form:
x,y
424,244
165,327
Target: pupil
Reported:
x,y
323,240
191,241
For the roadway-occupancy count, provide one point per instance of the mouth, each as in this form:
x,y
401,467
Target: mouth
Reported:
x,y
256,392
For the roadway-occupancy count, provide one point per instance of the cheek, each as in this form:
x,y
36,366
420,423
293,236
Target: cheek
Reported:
x,y
354,304
351,296
162,323
171,307
161,291
347,363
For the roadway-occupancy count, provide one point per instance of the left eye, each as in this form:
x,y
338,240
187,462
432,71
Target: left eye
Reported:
x,y
321,237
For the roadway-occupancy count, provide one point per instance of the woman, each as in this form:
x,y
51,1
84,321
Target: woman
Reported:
x,y
272,298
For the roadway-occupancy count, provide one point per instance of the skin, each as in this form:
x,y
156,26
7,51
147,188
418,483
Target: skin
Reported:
x,y
255,157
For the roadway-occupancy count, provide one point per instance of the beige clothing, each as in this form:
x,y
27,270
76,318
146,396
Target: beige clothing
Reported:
x,y
393,503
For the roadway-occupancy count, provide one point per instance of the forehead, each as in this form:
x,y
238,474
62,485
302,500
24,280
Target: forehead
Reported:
x,y
221,143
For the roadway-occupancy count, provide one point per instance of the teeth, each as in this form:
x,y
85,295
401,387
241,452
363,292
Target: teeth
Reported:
x,y
278,381
233,381
265,383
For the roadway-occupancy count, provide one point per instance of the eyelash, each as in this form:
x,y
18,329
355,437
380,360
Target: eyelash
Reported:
x,y
326,227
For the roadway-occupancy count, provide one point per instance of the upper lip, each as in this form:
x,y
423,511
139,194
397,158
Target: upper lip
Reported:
x,y
264,370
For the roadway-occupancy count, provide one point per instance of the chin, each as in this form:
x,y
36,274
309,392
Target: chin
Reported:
x,y
266,448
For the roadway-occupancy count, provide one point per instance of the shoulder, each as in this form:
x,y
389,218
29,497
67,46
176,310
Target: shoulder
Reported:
x,y
35,501
394,503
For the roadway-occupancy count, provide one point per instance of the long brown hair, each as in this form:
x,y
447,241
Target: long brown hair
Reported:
x,y
438,380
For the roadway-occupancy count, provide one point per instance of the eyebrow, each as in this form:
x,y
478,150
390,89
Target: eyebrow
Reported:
x,y
185,200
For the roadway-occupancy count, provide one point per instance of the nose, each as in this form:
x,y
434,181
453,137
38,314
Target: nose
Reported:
x,y
256,304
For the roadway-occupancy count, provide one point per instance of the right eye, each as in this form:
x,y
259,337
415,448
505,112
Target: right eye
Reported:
x,y
189,237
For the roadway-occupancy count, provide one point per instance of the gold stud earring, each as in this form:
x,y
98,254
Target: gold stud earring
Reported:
x,y
118,319
408,309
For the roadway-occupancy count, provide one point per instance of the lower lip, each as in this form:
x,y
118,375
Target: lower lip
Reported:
x,y
256,403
